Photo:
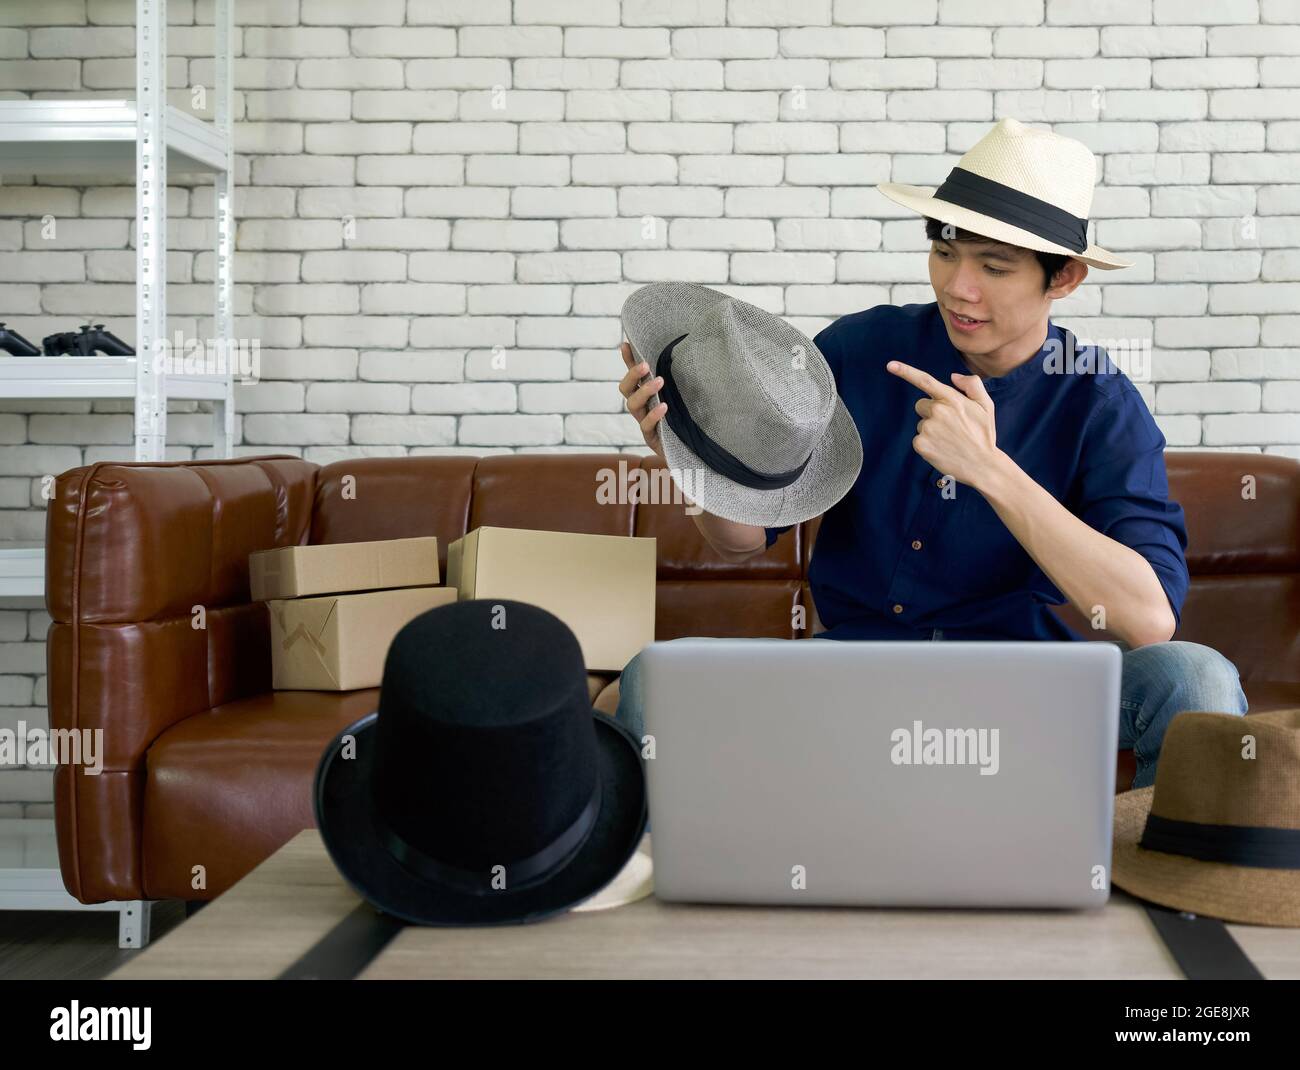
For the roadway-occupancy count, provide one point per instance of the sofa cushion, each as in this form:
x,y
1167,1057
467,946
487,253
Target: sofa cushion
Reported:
x,y
227,787
1270,695
365,498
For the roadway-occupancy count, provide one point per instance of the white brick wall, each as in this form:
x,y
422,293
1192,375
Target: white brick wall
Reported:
x,y
509,172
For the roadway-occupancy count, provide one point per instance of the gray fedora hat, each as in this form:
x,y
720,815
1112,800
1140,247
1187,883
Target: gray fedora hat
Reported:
x,y
755,430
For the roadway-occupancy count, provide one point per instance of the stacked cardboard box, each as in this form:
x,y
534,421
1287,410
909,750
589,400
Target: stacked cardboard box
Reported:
x,y
335,608
601,586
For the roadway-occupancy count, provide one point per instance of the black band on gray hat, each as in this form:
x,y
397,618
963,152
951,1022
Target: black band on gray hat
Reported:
x,y
694,437
519,874
966,189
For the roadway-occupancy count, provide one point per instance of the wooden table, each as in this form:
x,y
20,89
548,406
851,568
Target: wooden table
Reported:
x,y
275,914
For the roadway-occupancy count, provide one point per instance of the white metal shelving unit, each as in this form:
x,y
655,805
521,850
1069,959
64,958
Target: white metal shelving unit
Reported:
x,y
97,136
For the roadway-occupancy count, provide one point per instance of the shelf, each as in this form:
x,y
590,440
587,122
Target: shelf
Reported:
x,y
71,136
22,570
94,136
27,844
94,377
29,868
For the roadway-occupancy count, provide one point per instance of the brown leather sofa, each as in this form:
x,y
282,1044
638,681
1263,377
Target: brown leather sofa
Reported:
x,y
205,766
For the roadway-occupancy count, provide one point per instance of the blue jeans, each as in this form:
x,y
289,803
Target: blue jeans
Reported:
x,y
1159,681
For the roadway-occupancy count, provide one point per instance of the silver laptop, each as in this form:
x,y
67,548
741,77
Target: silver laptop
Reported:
x,y
957,774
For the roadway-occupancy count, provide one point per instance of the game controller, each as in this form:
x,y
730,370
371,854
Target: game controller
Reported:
x,y
15,344
86,342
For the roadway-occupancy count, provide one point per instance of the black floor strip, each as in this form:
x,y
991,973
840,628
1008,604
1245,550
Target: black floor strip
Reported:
x,y
1202,947
346,949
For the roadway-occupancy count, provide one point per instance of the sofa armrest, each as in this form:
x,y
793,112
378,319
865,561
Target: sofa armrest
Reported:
x,y
146,582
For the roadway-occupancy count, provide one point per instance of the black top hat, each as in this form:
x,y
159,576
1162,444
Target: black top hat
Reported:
x,y
485,789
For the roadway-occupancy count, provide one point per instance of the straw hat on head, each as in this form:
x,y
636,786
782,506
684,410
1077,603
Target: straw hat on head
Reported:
x,y
1219,832
1019,185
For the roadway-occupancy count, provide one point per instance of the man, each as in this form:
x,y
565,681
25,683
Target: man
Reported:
x,y
1007,469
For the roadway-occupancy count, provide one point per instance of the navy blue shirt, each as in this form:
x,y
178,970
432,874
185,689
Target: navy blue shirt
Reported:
x,y
895,540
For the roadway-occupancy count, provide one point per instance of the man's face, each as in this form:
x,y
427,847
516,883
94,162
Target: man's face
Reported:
x,y
1000,286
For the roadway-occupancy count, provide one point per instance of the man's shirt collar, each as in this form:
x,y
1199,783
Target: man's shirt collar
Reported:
x,y
1030,371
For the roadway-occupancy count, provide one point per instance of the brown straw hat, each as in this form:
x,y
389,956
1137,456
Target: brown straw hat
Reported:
x,y
1219,832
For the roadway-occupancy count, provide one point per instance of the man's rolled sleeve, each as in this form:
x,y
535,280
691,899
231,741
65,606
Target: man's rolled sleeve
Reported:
x,y
1123,491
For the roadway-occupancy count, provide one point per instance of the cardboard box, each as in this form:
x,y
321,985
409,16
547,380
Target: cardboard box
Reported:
x,y
339,642
332,568
601,586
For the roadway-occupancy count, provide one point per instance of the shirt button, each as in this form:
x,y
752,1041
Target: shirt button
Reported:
x,y
942,482
898,608
916,544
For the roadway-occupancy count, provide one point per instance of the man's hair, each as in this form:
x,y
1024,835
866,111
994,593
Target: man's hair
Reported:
x,y
1051,262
